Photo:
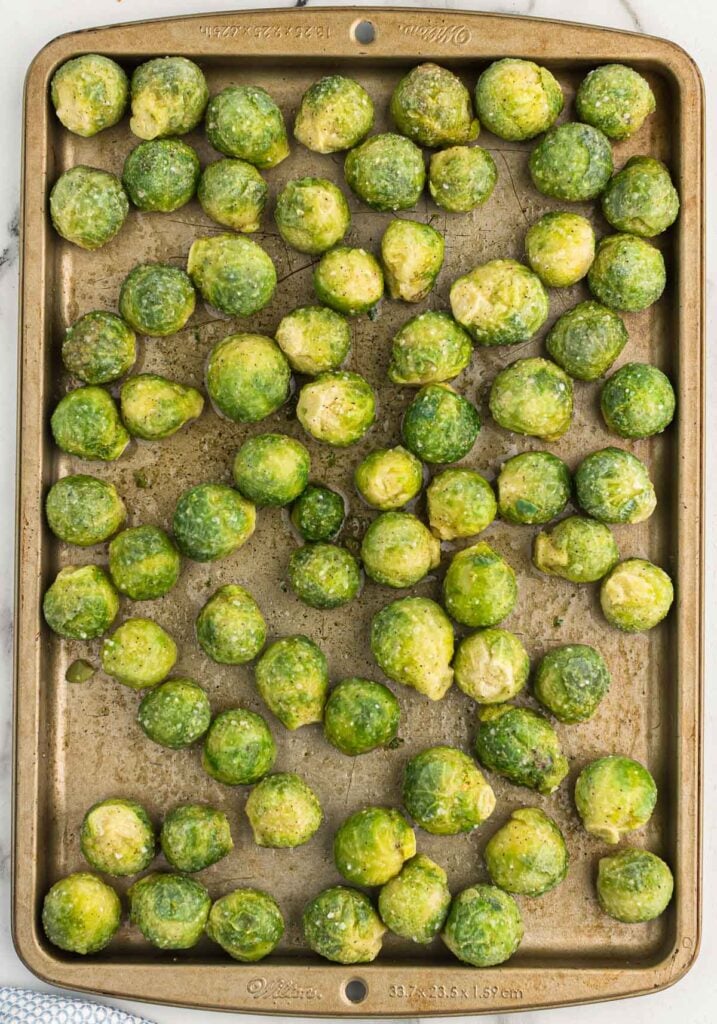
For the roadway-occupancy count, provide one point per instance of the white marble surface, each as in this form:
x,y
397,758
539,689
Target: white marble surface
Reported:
x,y
26,26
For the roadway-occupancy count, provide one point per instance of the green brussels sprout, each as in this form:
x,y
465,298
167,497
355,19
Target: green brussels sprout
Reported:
x,y
337,408
571,681
614,796
247,377
243,121
81,913
560,248
517,99
99,347
528,854
445,792
271,469
628,273
139,654
428,349
312,214
577,549
283,811
360,716
484,926
586,340
314,339
246,923
335,113
532,396
230,627
324,575
500,302
614,486
460,503
615,99
154,407
412,642
637,401
169,95
89,94
641,198
292,678
634,886
461,178
88,206
81,603
234,194
349,280
117,837
412,255
161,175
491,666
573,162
83,510
86,423
175,714
156,299
440,425
389,478
636,595
170,910
372,845
386,172
522,746
479,588
318,513
233,273
212,520
194,837
341,925
239,749
144,563
398,550
533,487
432,106
415,903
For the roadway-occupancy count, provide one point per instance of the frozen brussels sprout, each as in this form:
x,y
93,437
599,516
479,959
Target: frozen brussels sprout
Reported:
x,y
89,94
460,503
144,563
560,248
614,796
634,886
117,837
271,469
83,510
341,925
398,550
445,792
440,425
247,377
194,837
81,604
586,340
233,273
234,194
314,339
371,846
292,678
337,408
614,486
412,642
641,198
349,280
532,396
230,627
491,666
479,588
239,749
461,178
517,99
636,595
615,99
389,478
86,423
139,654
156,299
81,913
312,214
522,746
212,520
428,349
573,162
283,811
318,513
412,255
170,910
528,854
432,106
500,302
571,681
169,95
335,113
324,575
637,401
484,926
99,347
243,121
87,206
415,903
360,716
175,714
628,273
154,407
533,487
246,923
161,175
386,172
578,549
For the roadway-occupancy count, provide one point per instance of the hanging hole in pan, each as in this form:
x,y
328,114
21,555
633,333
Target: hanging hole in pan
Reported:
x,y
363,32
356,990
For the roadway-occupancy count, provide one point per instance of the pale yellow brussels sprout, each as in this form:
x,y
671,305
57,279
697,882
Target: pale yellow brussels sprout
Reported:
x,y
479,588
81,913
578,549
532,396
460,503
634,886
636,595
139,654
341,925
117,837
247,377
517,99
233,193
335,113
428,349
386,172
616,99
412,642
283,811
528,855
389,478
233,273
292,678
445,792
314,339
243,121
412,255
170,910
88,206
337,408
169,95
89,93
81,603
491,666
432,106
614,796
461,178
349,280
415,903
398,550
153,407
560,248
500,303
371,846
484,926
312,214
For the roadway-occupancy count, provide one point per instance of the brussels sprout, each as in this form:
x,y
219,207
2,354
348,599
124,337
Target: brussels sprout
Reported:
x,y
461,178
412,255
432,106
578,549
614,486
83,510
212,520
586,340
628,273
175,714
491,666
89,94
615,99
144,563
283,811
271,469
341,925
318,513
243,121
156,299
248,377
335,113
428,349
230,627
641,198
571,681
614,796
239,748
169,95
415,903
371,846
349,280
637,401
412,642
636,595
234,194
117,837
86,423
233,273
634,885
445,793
440,425
573,162
479,588
324,575
360,716
532,396
398,550
560,248
533,487
81,913
522,746
460,502
292,678
389,478
484,926
170,910
154,407
386,172
87,206
99,347
194,837
81,604
500,302
139,654
517,99
314,339
337,408
528,854
246,923
312,214
161,175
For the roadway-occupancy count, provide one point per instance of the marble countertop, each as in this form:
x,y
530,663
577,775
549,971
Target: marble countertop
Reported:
x,y
26,27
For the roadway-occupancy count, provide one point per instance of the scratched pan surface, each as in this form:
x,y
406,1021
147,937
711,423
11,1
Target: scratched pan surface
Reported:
x,y
78,744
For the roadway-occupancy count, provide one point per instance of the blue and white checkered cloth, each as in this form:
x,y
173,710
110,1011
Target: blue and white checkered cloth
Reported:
x,y
20,1006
